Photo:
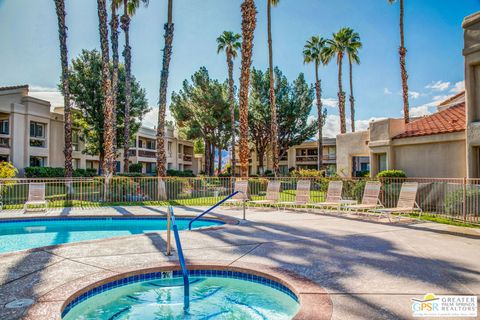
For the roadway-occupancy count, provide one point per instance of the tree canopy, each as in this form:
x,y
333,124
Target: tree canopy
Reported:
x,y
85,82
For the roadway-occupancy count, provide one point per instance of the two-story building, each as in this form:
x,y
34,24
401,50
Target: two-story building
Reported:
x,y
33,135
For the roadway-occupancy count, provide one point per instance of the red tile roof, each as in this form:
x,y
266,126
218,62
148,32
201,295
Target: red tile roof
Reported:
x,y
452,98
445,121
23,86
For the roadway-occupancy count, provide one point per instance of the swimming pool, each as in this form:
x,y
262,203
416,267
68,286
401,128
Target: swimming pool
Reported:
x,y
20,234
214,294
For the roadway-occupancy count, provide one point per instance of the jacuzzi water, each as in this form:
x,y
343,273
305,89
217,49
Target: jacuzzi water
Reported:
x,y
210,298
33,233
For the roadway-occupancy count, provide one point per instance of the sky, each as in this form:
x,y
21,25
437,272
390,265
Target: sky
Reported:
x,y
29,52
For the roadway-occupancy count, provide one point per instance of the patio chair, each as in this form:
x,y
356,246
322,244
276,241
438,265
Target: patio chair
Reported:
x,y
334,196
302,195
406,201
36,195
370,199
273,194
241,197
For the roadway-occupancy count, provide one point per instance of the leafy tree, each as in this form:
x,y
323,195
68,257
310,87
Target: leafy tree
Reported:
x,y
294,104
85,81
201,110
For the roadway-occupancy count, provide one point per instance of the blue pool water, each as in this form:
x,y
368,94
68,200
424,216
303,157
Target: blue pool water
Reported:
x,y
33,233
225,295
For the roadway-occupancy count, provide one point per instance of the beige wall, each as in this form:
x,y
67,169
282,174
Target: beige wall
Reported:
x,y
350,145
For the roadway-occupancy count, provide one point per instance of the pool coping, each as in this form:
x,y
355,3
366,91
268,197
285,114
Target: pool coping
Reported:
x,y
226,220
315,302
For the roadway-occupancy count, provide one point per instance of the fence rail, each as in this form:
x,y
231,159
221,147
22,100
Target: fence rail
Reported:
x,y
451,198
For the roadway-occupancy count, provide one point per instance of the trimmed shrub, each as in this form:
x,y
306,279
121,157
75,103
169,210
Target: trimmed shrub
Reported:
x,y
7,170
135,167
50,172
301,173
131,174
179,173
391,174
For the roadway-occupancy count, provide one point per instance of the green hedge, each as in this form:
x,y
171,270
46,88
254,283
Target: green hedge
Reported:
x,y
178,173
391,174
135,167
50,172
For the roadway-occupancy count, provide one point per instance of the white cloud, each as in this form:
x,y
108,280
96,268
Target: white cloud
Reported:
x,y
386,91
150,120
332,125
330,102
414,94
49,94
438,85
420,111
458,87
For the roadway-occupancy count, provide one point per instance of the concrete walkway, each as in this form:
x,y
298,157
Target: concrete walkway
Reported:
x,y
370,269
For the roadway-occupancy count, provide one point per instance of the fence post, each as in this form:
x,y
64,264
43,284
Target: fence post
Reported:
x,y
169,242
464,199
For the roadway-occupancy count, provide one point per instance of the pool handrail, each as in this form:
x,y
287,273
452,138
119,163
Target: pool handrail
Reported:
x,y
186,281
211,208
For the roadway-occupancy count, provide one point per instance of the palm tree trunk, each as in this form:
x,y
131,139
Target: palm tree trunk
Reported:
x,y
249,21
107,90
62,35
341,96
352,99
219,159
318,91
162,105
212,160
114,39
127,55
273,107
207,157
403,52
231,99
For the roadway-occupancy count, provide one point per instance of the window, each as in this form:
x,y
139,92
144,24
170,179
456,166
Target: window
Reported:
x,y
382,162
169,148
140,143
4,128
150,167
4,143
37,134
37,161
75,140
76,163
3,158
151,144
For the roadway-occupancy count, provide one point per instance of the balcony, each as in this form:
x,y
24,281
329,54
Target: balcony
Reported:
x,y
313,158
187,157
147,154
4,142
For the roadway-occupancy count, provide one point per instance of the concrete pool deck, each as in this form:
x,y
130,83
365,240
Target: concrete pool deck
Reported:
x,y
371,270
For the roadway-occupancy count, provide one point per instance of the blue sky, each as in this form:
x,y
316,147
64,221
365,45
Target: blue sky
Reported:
x,y
434,39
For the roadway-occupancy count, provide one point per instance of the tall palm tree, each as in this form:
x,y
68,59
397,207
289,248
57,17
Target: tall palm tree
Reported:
x,y
230,43
314,52
62,34
273,107
129,9
402,51
108,133
162,104
337,47
354,44
114,40
249,22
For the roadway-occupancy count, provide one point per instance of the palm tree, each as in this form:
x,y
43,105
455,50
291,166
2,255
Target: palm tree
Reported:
x,y
249,21
314,52
162,105
402,51
353,46
129,9
230,43
273,107
114,40
337,47
109,158
62,34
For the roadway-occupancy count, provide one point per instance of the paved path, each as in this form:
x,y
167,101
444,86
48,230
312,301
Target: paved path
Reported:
x,y
370,269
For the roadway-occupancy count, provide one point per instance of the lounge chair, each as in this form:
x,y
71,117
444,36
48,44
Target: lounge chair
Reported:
x,y
334,196
406,201
273,194
370,199
302,195
241,197
36,196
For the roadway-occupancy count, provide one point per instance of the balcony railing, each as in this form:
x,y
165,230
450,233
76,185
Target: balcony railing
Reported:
x,y
187,157
147,154
313,158
4,143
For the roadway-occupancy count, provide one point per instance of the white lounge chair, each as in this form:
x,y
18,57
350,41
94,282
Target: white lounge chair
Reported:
x,y
334,196
242,196
302,195
36,196
273,194
406,201
370,199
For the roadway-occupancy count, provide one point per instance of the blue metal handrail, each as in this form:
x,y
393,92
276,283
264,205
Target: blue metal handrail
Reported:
x,y
211,208
186,282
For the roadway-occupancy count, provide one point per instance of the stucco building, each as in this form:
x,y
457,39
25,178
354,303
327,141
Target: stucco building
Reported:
x,y
33,135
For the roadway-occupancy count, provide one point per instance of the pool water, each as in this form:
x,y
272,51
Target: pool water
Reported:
x,y
210,298
33,233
